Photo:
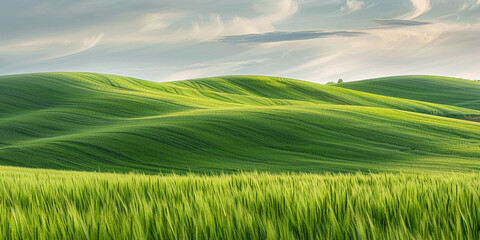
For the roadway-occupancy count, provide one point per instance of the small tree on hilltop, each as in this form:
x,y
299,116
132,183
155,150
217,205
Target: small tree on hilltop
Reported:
x,y
340,80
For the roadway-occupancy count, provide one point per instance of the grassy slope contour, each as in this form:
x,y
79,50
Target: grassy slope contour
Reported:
x,y
85,121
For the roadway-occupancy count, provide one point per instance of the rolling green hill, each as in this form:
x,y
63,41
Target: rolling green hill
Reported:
x,y
444,90
84,121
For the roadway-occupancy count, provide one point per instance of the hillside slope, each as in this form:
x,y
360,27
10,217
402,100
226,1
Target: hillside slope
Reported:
x,y
444,90
85,121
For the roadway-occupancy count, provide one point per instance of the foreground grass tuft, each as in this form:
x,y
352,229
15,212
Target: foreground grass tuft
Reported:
x,y
46,204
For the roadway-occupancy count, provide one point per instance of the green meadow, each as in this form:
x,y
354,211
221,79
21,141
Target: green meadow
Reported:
x,y
95,156
95,122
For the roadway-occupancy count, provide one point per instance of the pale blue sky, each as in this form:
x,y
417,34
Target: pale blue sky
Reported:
x,y
317,41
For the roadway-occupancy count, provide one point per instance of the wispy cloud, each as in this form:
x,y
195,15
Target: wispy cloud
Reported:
x,y
271,12
52,48
352,6
470,5
285,36
420,7
211,69
156,21
275,10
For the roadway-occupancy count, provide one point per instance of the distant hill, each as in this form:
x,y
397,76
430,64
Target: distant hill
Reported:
x,y
85,121
444,90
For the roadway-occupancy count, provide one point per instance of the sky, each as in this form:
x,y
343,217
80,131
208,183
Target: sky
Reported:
x,y
318,41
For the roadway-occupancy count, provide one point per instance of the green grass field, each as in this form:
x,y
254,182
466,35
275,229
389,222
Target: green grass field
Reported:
x,y
255,158
83,121
48,204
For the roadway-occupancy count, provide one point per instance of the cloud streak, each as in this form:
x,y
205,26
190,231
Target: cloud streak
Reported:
x,y
399,23
285,36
